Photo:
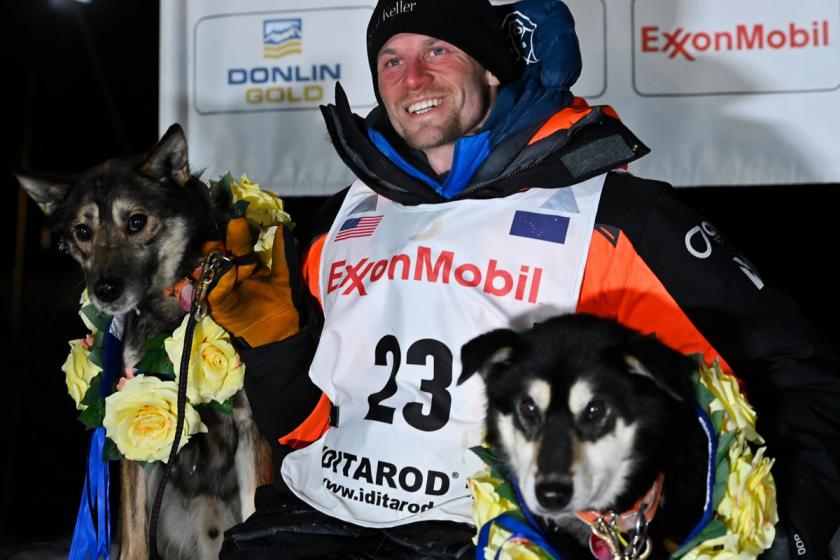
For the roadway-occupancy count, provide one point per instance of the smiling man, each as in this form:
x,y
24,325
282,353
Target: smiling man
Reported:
x,y
487,197
434,93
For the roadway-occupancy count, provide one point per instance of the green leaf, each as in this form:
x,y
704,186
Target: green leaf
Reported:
x,y
721,477
99,319
240,207
148,466
110,451
156,360
717,420
486,455
713,530
95,355
92,394
724,443
225,407
221,191
505,490
704,397
94,414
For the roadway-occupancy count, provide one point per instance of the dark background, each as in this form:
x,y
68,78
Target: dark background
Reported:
x,y
81,85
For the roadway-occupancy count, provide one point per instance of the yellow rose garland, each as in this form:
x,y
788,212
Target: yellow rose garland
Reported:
x,y
745,511
139,417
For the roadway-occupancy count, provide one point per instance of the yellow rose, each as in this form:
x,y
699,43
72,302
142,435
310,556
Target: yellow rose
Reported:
x,y
264,244
748,507
78,371
487,504
739,414
216,371
264,209
141,419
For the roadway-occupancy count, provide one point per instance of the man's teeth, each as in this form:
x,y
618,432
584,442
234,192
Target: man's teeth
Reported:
x,y
423,106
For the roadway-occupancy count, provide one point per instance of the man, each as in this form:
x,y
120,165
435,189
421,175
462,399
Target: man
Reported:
x,y
488,197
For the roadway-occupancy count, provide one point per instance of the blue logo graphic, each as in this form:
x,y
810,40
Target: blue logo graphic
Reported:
x,y
282,37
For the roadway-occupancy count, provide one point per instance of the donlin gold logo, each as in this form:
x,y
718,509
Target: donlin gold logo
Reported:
x,y
282,37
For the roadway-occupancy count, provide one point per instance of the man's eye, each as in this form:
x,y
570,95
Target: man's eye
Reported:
x,y
438,51
391,62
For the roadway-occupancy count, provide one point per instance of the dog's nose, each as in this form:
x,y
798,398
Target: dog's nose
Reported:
x,y
108,289
553,494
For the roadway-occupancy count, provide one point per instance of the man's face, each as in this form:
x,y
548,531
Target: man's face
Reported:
x,y
433,92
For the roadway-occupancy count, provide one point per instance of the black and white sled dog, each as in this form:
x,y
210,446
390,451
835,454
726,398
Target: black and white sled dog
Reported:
x,y
136,226
585,414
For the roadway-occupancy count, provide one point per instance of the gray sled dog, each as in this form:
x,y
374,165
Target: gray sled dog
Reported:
x,y
136,226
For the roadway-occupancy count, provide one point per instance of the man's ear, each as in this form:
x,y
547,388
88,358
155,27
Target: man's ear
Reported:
x,y
491,79
483,352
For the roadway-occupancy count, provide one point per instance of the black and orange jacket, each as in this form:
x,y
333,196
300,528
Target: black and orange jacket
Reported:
x,y
654,265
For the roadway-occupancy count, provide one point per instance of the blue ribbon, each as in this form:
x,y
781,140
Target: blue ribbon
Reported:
x,y
709,506
92,539
519,530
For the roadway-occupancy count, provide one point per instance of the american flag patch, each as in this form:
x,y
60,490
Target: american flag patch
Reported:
x,y
358,227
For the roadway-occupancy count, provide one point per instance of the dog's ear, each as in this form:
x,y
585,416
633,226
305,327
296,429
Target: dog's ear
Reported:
x,y
669,369
47,193
483,352
169,157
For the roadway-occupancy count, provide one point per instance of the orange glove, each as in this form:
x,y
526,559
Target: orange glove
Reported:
x,y
250,300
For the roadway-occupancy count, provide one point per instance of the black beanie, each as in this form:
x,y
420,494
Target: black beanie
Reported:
x,y
471,25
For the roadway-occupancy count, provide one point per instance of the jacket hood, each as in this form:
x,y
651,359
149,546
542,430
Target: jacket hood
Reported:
x,y
594,144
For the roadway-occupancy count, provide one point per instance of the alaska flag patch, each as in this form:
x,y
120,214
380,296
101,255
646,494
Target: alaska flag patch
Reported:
x,y
547,227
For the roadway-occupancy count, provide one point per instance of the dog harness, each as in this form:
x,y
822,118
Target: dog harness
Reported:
x,y
403,288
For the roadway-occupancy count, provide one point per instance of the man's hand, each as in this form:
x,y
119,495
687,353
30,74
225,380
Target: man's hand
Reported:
x,y
251,301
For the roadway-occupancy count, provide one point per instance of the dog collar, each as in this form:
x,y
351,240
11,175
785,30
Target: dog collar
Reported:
x,y
609,526
626,521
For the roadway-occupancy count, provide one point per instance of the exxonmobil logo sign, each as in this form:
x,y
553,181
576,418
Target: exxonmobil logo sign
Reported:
x,y
699,47
435,267
689,44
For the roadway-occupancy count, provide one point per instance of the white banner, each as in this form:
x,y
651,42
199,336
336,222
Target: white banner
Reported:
x,y
724,94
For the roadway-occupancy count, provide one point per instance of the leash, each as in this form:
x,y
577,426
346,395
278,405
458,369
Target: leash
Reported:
x,y
210,265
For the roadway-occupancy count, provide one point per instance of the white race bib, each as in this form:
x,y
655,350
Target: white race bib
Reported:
x,y
403,288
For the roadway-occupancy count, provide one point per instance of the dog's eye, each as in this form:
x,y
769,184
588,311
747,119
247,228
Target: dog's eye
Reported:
x,y
529,412
594,411
82,232
136,222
